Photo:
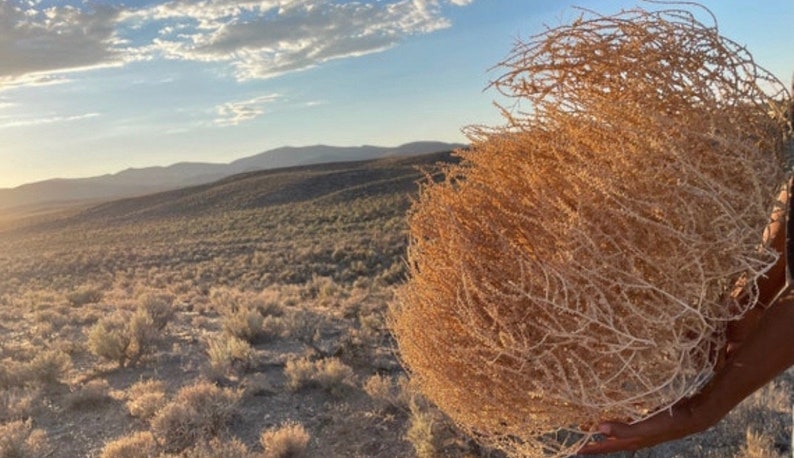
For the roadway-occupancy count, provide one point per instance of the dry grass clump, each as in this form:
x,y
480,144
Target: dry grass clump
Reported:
x,y
330,374
136,445
758,446
125,337
18,439
421,434
47,367
159,307
575,265
243,313
109,338
290,440
217,448
17,403
244,323
197,412
228,353
386,394
11,373
146,398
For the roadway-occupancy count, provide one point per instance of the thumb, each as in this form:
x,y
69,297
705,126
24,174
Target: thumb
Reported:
x,y
615,429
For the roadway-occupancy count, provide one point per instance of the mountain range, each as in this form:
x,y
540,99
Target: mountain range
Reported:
x,y
43,195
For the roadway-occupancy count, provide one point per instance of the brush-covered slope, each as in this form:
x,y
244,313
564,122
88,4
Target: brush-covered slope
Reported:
x,y
334,183
341,220
43,195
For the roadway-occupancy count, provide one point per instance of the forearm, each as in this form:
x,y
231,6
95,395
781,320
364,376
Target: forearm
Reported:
x,y
766,352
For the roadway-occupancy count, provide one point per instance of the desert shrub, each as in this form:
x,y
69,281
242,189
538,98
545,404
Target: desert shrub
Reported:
x,y
145,398
16,403
421,434
228,353
159,306
197,412
48,367
136,445
323,289
758,446
228,300
273,326
109,338
330,374
84,296
290,440
574,265
268,304
123,337
257,384
244,323
90,395
299,372
144,335
18,439
12,373
299,324
217,448
386,394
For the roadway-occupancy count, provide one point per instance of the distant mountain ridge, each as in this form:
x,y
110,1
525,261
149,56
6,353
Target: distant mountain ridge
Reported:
x,y
142,181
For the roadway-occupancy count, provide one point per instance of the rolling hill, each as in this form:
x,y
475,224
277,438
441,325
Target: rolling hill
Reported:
x,y
330,183
36,197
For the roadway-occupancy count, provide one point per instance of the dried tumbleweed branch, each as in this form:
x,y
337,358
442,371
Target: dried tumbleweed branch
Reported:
x,y
574,266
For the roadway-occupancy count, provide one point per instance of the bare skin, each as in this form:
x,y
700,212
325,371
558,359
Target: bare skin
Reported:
x,y
759,348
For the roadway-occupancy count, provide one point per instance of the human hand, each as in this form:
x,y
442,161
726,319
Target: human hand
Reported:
x,y
757,356
687,417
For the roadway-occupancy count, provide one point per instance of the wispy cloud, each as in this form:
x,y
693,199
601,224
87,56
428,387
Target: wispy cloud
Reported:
x,y
234,113
36,41
31,79
9,122
263,39
258,39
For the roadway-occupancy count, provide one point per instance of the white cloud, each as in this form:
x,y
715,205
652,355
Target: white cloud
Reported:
x,y
233,113
36,41
257,38
266,38
31,79
8,122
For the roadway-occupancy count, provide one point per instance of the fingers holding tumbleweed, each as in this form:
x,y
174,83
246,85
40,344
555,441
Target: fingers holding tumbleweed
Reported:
x,y
573,266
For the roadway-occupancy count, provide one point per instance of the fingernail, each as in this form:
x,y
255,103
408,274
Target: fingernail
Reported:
x,y
605,429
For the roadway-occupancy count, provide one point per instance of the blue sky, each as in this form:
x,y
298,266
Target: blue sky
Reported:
x,y
94,87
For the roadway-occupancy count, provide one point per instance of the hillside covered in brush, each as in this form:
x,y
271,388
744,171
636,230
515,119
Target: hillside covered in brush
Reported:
x,y
341,220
